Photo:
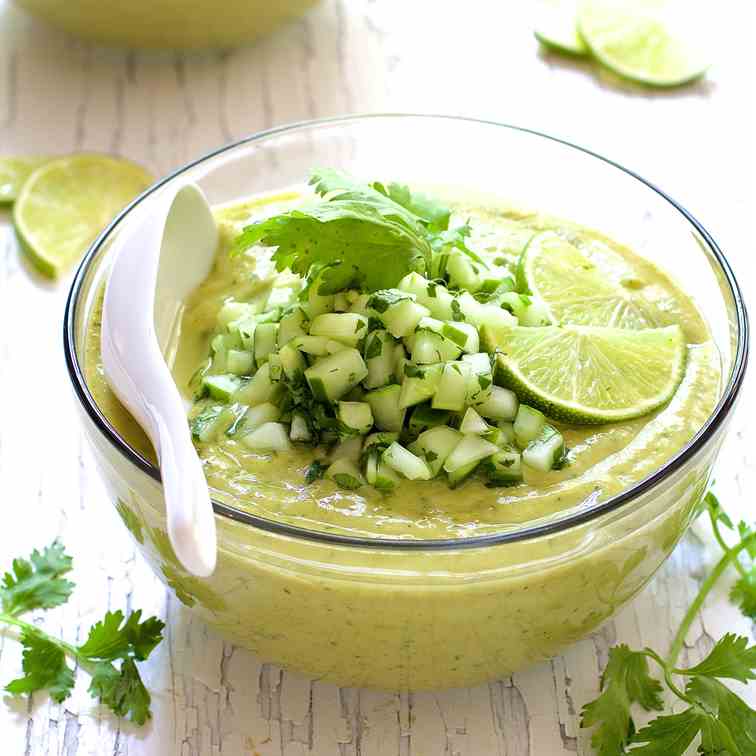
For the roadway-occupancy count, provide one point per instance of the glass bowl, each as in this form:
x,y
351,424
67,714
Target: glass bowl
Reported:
x,y
431,614
172,24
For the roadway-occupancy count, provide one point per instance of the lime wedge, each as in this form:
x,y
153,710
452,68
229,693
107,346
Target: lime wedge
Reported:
x,y
575,291
556,26
13,172
65,203
588,374
654,42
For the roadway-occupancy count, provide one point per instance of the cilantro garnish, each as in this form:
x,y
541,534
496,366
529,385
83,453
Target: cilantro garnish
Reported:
x,y
109,654
366,236
721,720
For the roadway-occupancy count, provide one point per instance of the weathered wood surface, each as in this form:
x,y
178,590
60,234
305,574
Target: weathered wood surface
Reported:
x,y
475,58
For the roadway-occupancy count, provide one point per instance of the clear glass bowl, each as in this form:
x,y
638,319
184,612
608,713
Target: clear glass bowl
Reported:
x,y
167,23
432,614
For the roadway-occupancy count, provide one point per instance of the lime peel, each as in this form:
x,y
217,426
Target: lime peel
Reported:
x,y
65,203
556,27
590,374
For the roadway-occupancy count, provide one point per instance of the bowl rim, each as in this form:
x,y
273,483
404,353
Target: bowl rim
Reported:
x,y
557,525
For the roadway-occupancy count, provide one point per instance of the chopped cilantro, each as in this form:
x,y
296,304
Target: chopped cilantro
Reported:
x,y
315,471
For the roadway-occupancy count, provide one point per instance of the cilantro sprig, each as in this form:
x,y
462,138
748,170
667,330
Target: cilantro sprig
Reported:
x,y
110,653
365,236
724,723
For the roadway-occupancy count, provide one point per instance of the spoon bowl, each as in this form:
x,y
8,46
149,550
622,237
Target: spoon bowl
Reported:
x,y
168,252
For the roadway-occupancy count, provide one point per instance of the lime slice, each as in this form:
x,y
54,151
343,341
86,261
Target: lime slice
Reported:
x,y
13,172
655,42
65,203
556,26
588,374
575,291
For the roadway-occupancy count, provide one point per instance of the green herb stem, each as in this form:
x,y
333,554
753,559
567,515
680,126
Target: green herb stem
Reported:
x,y
9,619
722,543
730,556
651,654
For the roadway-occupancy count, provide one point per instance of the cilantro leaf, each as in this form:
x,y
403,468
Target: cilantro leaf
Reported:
x,y
432,212
743,593
44,665
112,638
715,509
625,680
672,734
37,583
719,701
731,657
121,690
315,471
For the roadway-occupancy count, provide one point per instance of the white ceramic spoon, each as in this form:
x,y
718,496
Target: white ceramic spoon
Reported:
x,y
166,253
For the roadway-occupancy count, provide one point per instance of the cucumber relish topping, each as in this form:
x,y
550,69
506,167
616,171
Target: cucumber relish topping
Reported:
x,y
396,352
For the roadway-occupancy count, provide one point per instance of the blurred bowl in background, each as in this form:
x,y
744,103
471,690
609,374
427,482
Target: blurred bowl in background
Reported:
x,y
177,24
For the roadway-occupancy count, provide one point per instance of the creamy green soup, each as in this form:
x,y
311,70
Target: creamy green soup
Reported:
x,y
602,460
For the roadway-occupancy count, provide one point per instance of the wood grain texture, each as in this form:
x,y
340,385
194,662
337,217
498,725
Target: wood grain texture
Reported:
x,y
477,58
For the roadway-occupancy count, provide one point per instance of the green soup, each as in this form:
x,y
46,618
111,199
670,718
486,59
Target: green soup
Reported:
x,y
603,460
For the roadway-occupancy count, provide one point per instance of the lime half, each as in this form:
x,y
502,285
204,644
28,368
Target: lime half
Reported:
x,y
65,203
587,374
655,42
556,26
575,291
13,172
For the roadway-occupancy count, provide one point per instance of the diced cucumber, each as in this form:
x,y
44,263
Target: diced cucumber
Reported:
x,y
473,423
261,414
452,387
300,428
345,474
419,384
340,301
259,389
505,467
216,420
349,448
430,348
480,379
508,430
467,309
266,335
464,335
435,445
424,417
379,357
357,394
463,272
356,417
244,330
346,327
545,452
435,297
292,324
388,414
386,479
502,435
470,450
359,304
331,377
292,362
502,404
496,317
268,437
239,362
319,346
405,462
528,425
280,296
430,324
276,366
400,360
535,314
397,311
318,303
460,474
379,441
221,386
231,311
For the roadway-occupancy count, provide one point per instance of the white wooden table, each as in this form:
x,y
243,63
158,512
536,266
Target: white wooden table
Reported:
x,y
473,58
